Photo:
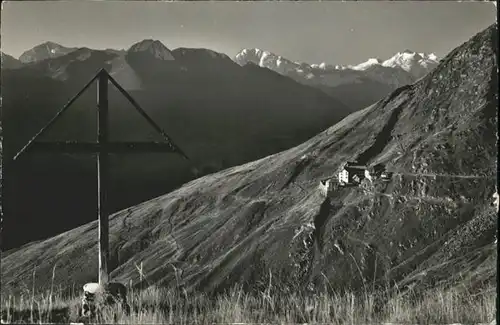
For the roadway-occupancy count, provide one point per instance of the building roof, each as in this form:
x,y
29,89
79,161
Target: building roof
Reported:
x,y
378,168
348,166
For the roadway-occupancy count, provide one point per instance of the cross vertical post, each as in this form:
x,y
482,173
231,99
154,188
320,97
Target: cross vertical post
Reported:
x,y
103,175
103,147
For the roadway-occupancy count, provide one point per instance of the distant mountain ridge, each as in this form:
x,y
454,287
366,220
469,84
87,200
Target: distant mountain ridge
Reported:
x,y
373,79
154,48
415,64
59,62
45,51
406,67
357,86
10,62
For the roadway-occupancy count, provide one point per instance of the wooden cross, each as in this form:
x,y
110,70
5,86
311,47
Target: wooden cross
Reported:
x,y
102,148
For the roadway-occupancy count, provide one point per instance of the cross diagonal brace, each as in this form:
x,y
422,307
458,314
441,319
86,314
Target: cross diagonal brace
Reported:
x,y
146,116
53,120
110,147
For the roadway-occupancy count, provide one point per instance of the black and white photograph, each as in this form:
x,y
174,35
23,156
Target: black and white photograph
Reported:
x,y
255,162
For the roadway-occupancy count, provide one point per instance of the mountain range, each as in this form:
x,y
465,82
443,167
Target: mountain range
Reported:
x,y
373,78
433,224
415,64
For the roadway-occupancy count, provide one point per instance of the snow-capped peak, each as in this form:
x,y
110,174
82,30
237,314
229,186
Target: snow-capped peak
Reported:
x,y
367,64
407,57
324,66
256,56
433,57
415,63
154,47
265,59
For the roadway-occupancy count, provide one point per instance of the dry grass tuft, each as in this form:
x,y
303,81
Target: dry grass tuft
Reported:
x,y
157,305
160,305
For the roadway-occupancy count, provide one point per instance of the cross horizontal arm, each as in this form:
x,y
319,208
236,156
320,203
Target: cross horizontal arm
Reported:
x,y
112,147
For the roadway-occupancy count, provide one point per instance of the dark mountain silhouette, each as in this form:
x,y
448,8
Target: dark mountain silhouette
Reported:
x,y
10,62
433,224
349,93
75,68
153,48
221,114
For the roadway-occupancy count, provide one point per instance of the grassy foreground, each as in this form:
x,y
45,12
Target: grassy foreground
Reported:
x,y
157,305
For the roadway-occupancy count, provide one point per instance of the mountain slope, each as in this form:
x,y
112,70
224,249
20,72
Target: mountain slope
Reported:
x,y
10,62
432,224
154,48
77,67
44,51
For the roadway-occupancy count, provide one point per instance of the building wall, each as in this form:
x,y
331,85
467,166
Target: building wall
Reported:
x,y
347,176
359,173
326,188
343,176
367,175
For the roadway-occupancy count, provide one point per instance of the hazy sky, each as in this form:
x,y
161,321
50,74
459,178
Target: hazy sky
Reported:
x,y
333,32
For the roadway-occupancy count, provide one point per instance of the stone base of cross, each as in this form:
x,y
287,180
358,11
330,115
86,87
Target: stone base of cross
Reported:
x,y
96,298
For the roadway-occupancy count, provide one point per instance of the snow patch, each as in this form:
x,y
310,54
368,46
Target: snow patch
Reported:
x,y
367,64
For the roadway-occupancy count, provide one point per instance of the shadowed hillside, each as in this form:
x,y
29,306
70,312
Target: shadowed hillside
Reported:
x,y
9,62
433,224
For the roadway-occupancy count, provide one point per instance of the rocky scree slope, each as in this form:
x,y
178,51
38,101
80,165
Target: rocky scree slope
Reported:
x,y
432,224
